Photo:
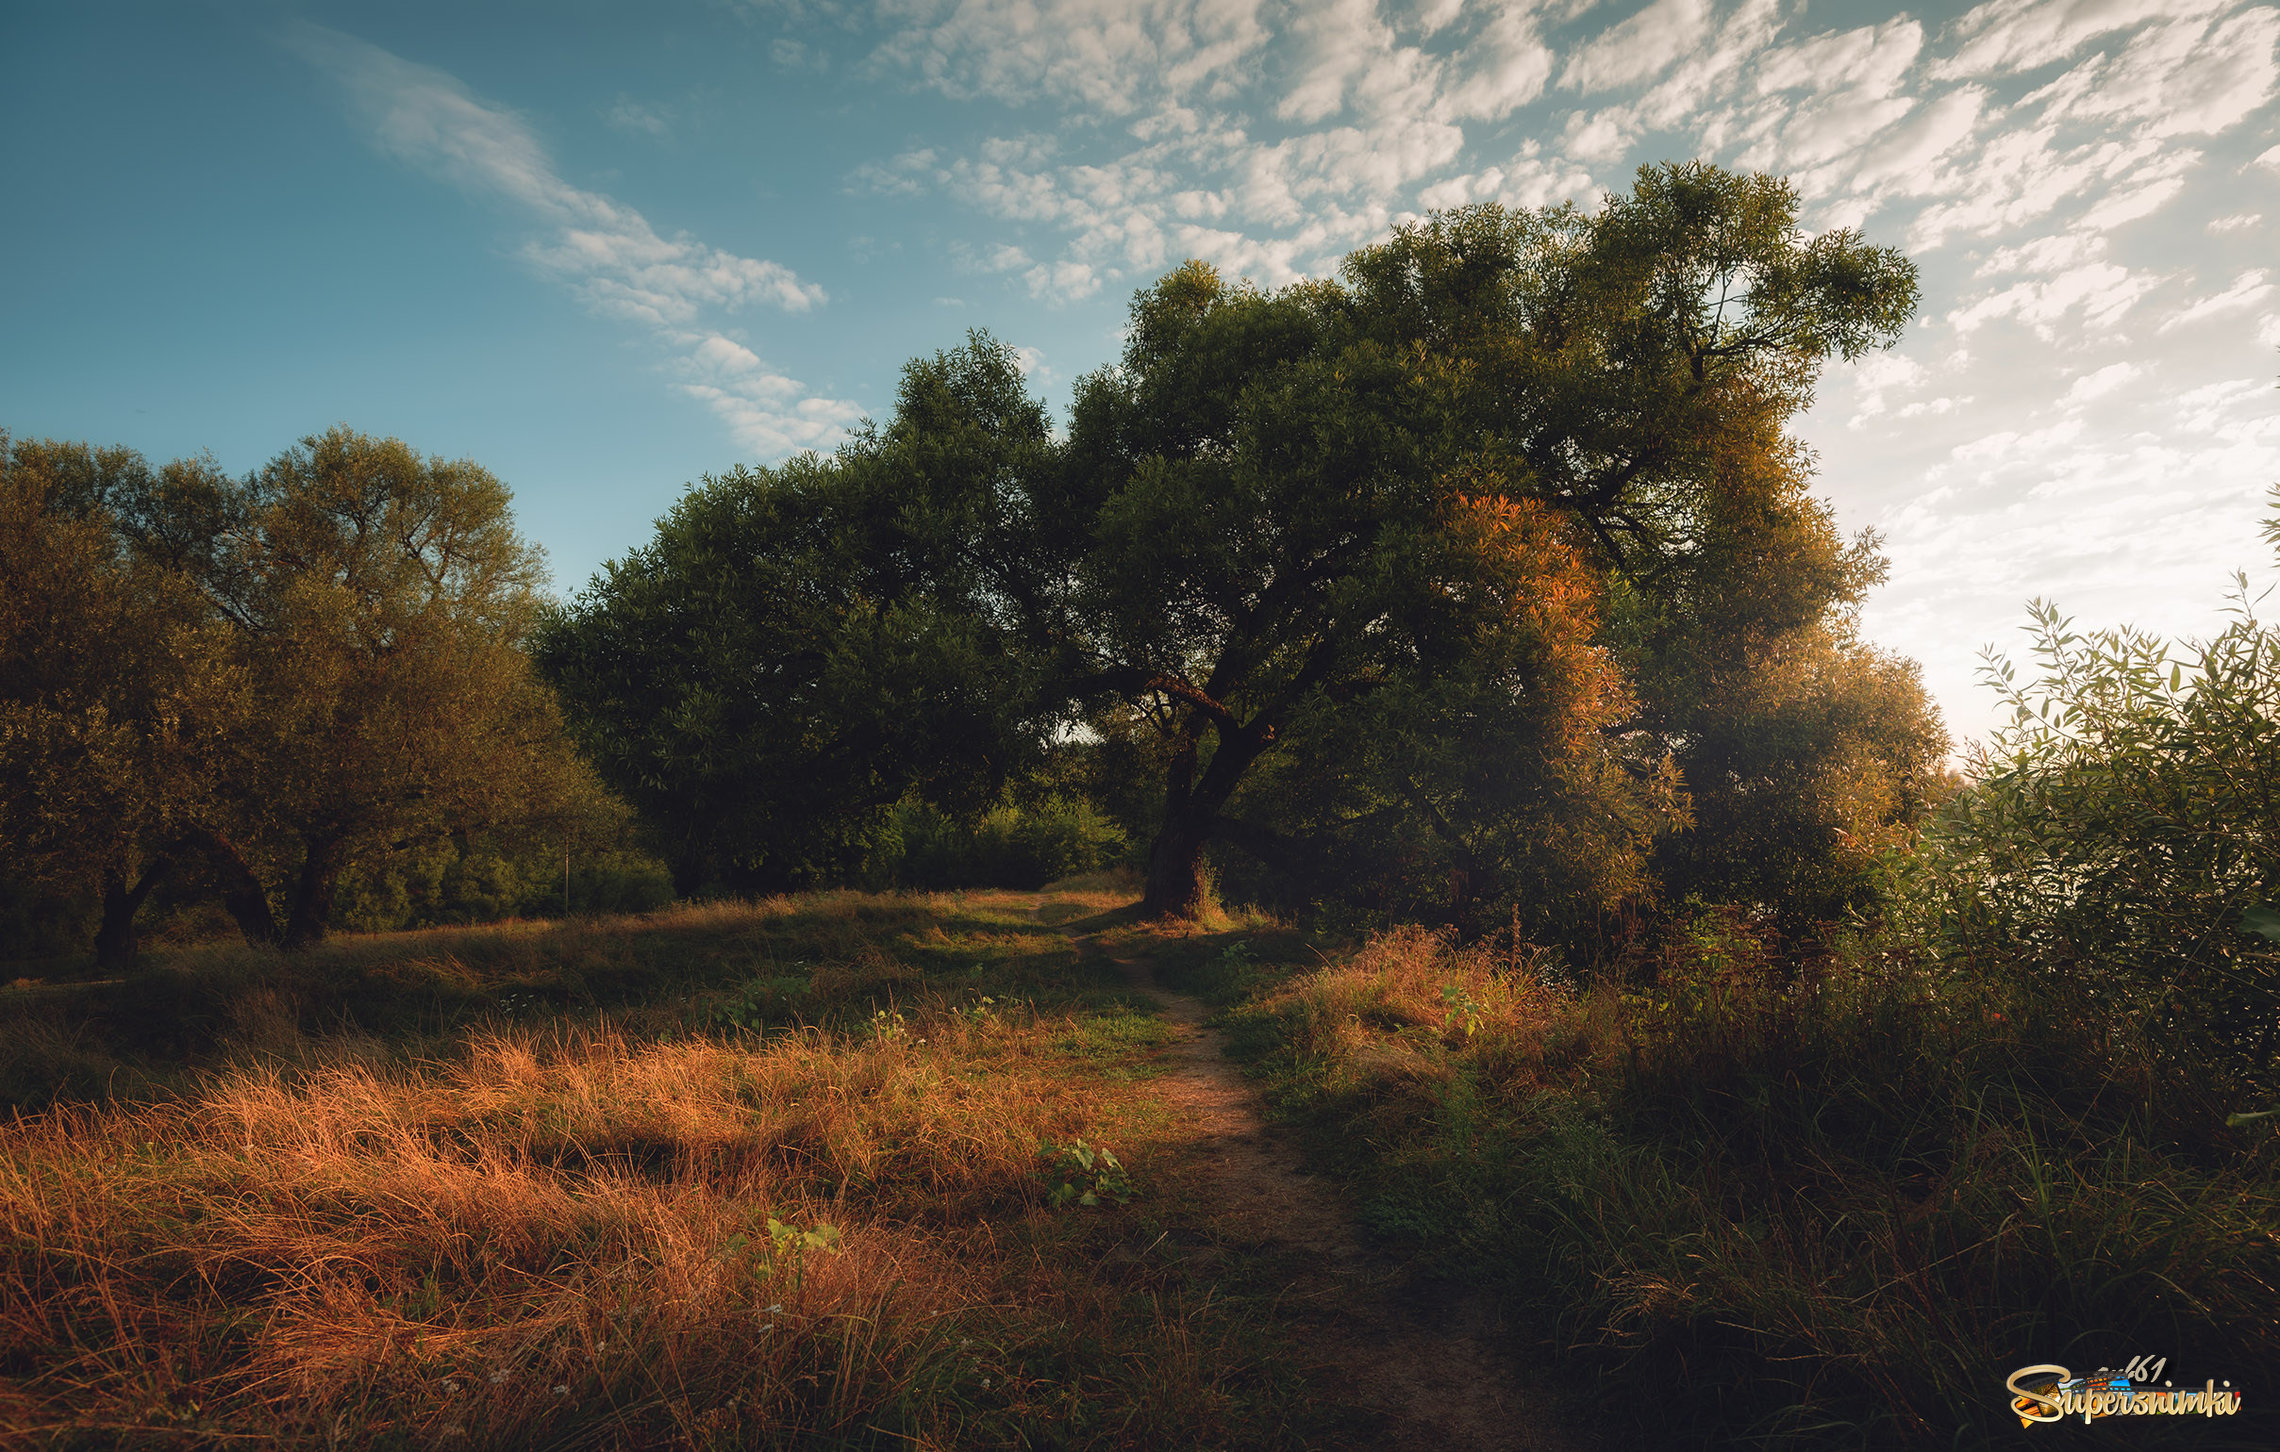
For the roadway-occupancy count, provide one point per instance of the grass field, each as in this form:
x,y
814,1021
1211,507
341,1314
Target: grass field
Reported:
x,y
826,1172
766,1174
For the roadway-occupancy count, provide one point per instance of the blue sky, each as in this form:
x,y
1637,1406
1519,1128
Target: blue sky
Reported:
x,y
607,249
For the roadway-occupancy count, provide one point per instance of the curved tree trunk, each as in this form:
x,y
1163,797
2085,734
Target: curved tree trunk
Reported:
x,y
1176,887
115,940
242,894
313,894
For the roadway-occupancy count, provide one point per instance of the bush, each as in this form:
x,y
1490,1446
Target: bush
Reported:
x,y
446,886
2119,844
1012,845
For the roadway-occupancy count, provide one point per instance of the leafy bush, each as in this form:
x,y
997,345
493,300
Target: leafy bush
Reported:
x,y
1014,845
2121,835
447,885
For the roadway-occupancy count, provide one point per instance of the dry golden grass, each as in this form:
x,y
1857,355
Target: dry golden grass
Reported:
x,y
563,1234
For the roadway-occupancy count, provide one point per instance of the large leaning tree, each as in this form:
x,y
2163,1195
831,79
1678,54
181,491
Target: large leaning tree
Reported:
x,y
1254,518
1399,557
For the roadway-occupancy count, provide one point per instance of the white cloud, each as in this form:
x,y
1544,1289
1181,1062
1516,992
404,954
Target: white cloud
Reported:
x,y
1874,58
1062,281
2096,385
2053,253
1111,56
1514,65
2015,35
1877,375
2100,292
1638,49
2247,291
2235,222
607,253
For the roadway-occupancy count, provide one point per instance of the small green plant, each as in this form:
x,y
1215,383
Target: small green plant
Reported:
x,y
888,1023
1463,1007
1085,1174
981,1010
751,1007
783,1245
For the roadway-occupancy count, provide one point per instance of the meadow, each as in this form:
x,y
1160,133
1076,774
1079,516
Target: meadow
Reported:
x,y
782,1173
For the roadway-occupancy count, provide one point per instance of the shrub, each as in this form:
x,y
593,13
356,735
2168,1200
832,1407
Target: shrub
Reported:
x,y
1833,1209
1012,845
2120,839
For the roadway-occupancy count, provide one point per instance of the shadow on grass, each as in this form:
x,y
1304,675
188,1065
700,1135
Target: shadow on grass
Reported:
x,y
825,959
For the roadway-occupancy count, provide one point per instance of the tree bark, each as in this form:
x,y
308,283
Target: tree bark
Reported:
x,y
242,893
1176,886
115,940
313,893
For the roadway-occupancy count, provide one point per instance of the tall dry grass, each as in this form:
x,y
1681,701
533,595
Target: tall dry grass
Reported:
x,y
562,1234
418,991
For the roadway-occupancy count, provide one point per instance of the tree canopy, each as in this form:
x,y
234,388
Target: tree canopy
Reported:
x,y
273,677
1417,555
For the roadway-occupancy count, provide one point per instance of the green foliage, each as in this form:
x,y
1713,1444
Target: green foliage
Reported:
x,y
448,883
1013,845
799,648
119,692
2118,841
1806,1214
1331,562
259,686
1081,1174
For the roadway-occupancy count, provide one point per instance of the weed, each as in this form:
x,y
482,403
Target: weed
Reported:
x,y
1083,1174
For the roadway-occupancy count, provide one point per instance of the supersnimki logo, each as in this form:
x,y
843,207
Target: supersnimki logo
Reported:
x,y
2051,1393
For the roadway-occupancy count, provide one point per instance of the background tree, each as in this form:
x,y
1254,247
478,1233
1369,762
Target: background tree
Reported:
x,y
2118,841
798,648
1806,753
280,676
379,602
116,685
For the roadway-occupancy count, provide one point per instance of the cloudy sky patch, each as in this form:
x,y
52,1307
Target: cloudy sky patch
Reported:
x,y
698,206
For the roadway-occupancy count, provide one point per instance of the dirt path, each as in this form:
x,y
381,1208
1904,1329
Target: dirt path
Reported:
x,y
1430,1359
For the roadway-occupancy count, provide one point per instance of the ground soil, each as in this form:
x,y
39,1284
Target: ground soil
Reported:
x,y
1431,1365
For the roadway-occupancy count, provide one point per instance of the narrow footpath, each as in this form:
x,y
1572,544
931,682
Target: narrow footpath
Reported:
x,y
1430,1359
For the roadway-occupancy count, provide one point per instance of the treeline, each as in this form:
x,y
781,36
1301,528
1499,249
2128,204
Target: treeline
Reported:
x,y
294,694
1483,582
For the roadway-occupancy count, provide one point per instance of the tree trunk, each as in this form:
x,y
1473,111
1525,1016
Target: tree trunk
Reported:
x,y
242,893
1176,886
313,894
115,941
